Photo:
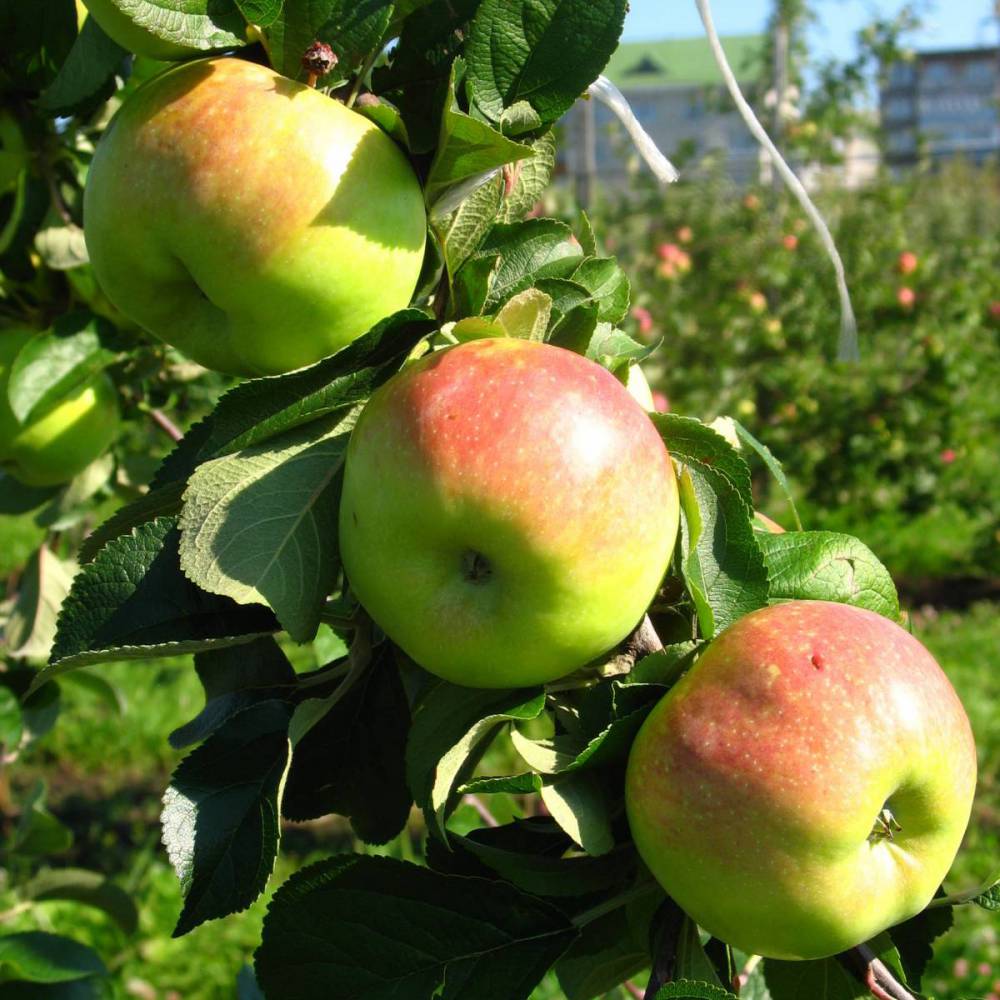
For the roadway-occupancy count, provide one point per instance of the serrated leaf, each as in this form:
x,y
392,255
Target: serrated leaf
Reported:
x,y
234,679
773,466
462,232
722,562
616,350
164,501
133,602
262,13
526,315
827,566
665,666
578,802
352,762
545,52
467,147
686,990
38,957
198,24
52,366
451,725
31,627
88,74
356,926
529,179
221,822
284,495
608,286
87,887
527,783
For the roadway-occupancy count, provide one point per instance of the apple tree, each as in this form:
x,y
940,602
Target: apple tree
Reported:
x,y
518,572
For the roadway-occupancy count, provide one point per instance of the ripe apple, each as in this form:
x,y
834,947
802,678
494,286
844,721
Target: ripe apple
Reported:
x,y
64,439
508,512
252,222
757,789
133,37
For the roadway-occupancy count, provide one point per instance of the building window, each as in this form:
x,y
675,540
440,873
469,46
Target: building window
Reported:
x,y
901,74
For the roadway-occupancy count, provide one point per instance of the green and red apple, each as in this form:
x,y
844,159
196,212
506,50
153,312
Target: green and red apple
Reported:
x,y
508,512
61,441
250,221
806,784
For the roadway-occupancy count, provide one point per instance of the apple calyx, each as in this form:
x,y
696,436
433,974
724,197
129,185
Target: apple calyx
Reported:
x,y
476,568
318,60
886,827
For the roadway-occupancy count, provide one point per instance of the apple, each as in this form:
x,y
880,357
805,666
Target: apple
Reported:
x,y
133,37
508,512
65,438
806,784
252,222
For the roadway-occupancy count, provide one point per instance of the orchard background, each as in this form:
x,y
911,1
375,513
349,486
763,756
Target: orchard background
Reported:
x,y
730,289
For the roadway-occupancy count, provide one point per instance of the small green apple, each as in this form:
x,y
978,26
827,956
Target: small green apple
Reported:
x,y
252,222
806,784
508,512
120,27
62,441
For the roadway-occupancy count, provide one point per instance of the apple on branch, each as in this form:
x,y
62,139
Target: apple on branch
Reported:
x,y
61,441
252,222
806,784
508,512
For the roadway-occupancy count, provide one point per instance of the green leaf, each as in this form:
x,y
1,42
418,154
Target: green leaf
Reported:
x,y
34,47
691,961
283,494
686,990
529,179
467,148
16,498
665,666
221,821
37,957
62,248
545,52
914,940
608,286
31,627
352,28
525,316
385,115
52,366
825,979
826,566
528,251
39,709
38,832
198,24
133,602
352,762
773,466
377,928
616,350
164,501
262,13
71,504
461,233
451,727
98,687
11,725
722,562
87,77
578,802
527,783
235,678
87,887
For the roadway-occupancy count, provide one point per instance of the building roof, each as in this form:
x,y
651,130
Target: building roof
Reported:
x,y
681,62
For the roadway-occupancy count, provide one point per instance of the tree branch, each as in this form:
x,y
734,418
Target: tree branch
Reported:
x,y
874,973
166,424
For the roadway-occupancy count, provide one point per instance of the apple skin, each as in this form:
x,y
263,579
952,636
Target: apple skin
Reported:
x,y
132,37
753,786
252,222
62,441
508,512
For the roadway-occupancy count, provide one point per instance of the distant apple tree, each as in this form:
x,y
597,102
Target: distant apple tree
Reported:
x,y
228,548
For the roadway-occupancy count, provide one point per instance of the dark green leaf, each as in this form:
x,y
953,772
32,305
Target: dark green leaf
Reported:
x,y
16,498
37,957
196,24
773,466
529,179
608,286
11,726
133,601
451,726
38,832
86,887
825,979
545,52
163,501
580,803
462,232
615,349
504,784
352,761
221,821
914,940
87,77
686,990
826,566
262,13
34,47
374,928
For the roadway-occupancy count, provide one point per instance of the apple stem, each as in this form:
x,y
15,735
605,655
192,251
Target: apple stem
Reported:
x,y
484,813
874,973
166,425
312,79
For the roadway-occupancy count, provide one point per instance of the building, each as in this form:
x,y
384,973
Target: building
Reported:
x,y
676,92
943,104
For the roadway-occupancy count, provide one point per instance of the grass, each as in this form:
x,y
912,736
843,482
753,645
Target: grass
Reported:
x,y
106,773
